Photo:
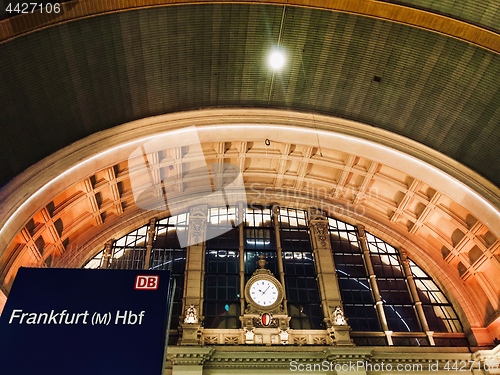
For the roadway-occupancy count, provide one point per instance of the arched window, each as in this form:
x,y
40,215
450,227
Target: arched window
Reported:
x,y
129,252
370,273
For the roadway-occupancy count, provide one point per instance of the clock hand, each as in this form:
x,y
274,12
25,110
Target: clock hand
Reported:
x,y
264,292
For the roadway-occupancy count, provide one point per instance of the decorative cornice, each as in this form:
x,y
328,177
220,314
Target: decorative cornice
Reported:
x,y
180,355
249,357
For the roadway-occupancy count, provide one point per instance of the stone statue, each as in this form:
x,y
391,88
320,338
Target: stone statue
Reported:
x,y
249,336
338,317
284,337
191,316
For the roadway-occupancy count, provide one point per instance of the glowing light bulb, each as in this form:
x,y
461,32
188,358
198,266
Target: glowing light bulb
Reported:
x,y
276,59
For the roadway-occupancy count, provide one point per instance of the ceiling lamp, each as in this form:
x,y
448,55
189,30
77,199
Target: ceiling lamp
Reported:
x,y
276,59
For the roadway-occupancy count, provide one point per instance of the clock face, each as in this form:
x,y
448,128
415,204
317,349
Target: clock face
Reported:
x,y
263,292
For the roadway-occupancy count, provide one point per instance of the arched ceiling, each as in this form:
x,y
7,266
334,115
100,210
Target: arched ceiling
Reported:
x,y
424,82
87,193
68,80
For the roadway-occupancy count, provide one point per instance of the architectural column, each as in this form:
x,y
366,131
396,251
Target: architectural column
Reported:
x,y
107,254
373,283
414,294
149,242
275,211
241,237
194,275
329,289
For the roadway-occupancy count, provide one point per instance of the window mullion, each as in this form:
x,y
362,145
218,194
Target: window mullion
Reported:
x,y
414,294
373,283
279,257
149,243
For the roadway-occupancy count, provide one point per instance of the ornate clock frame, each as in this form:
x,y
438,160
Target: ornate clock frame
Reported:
x,y
252,318
252,306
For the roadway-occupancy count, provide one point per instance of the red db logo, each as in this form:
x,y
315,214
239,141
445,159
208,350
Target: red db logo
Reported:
x,y
146,282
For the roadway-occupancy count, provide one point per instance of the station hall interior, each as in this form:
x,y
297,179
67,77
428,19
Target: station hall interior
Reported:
x,y
343,153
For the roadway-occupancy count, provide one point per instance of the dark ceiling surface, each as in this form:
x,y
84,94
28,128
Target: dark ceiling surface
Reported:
x,y
66,82
485,13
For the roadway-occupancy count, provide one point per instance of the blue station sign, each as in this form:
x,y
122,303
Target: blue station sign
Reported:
x,y
82,322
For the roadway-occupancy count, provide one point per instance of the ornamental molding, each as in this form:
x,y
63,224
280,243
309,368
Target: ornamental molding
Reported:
x,y
321,230
197,223
250,357
179,355
322,233
242,208
197,229
361,230
257,322
404,256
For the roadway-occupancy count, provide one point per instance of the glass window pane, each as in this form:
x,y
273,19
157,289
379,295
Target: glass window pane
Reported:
x,y
357,298
222,287
440,315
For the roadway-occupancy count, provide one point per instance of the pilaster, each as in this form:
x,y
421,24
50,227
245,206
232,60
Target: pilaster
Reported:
x,y
329,289
241,248
195,270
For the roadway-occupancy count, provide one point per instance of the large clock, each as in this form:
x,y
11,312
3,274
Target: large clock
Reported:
x,y
263,291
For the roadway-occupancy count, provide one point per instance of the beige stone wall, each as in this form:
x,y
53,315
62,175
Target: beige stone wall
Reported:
x,y
353,361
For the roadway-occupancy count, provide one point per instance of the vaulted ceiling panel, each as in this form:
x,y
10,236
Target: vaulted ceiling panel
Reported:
x,y
66,82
